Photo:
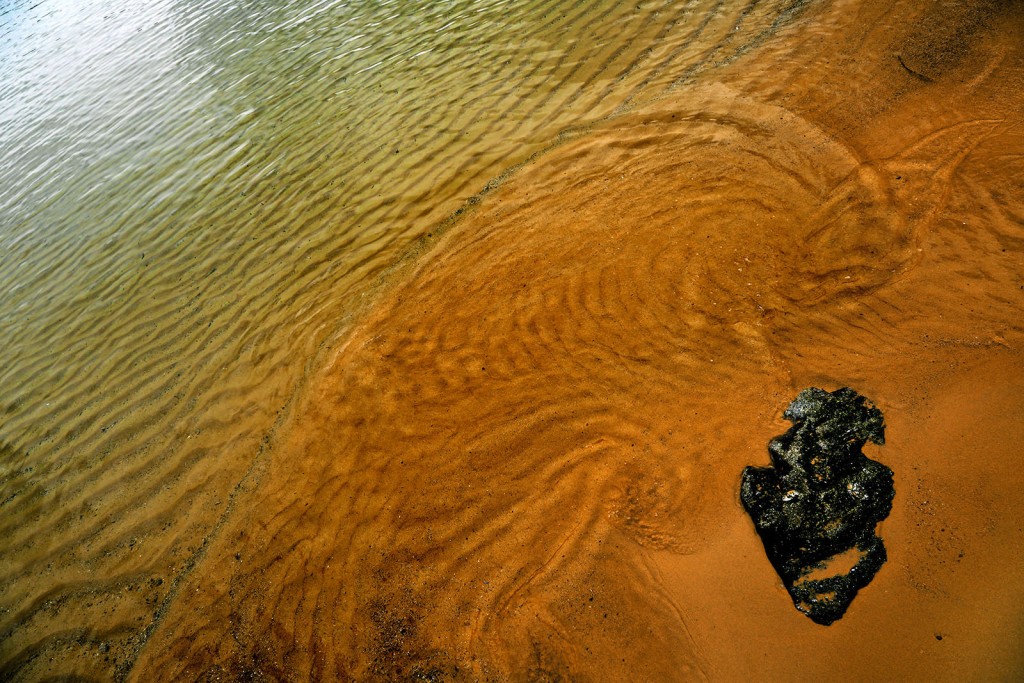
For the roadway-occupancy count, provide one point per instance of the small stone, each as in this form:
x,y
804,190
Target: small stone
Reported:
x,y
817,506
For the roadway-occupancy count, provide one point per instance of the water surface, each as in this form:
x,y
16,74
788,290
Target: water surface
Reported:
x,y
429,339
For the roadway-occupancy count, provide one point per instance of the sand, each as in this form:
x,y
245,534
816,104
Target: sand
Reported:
x,y
524,463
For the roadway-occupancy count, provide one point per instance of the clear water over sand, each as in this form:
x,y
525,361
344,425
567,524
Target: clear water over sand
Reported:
x,y
423,340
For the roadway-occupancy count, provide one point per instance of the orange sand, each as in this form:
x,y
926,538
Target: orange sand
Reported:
x,y
524,463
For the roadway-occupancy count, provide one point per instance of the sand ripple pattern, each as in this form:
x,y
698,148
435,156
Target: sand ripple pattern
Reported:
x,y
197,200
474,485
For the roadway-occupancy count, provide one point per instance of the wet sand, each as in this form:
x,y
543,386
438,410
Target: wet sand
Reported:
x,y
523,464
197,202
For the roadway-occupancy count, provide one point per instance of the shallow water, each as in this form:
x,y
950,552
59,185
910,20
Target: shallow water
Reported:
x,y
425,339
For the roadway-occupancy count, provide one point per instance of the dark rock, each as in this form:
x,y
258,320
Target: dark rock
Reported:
x,y
817,506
